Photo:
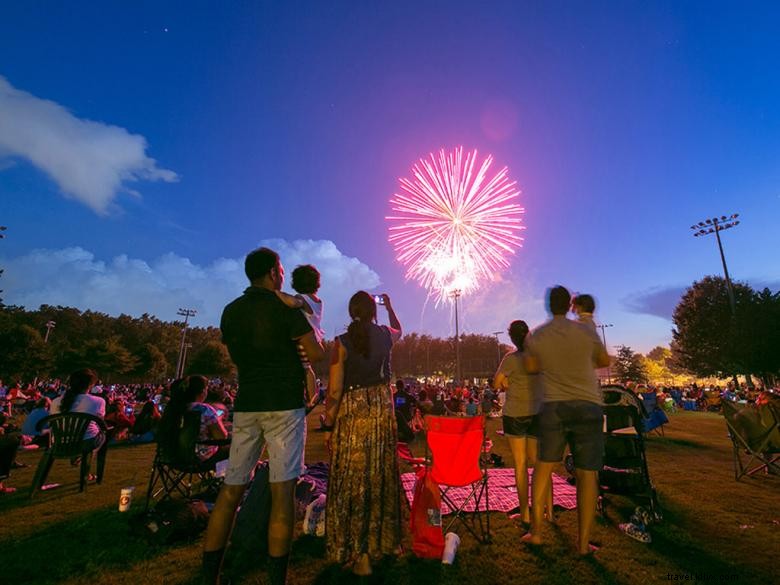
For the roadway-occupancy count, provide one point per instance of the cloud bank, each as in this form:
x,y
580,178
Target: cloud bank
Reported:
x,y
657,301
90,161
75,277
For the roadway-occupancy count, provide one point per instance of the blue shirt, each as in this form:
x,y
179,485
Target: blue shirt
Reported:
x,y
28,426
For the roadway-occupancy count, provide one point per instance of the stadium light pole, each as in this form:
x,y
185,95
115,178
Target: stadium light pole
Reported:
x,y
717,225
455,294
603,326
49,326
2,235
498,344
186,313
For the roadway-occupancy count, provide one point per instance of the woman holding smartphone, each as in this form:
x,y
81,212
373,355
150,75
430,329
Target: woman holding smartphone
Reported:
x,y
363,513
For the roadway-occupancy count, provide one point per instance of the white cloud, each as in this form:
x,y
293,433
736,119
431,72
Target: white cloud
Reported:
x,y
74,277
90,161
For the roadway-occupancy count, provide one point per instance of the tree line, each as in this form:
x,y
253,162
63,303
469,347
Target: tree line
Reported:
x,y
707,341
146,349
120,349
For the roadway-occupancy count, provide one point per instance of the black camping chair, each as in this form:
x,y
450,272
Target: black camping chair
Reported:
x,y
176,467
66,441
755,436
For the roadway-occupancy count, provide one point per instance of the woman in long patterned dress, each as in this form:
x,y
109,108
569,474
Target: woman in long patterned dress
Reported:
x,y
363,513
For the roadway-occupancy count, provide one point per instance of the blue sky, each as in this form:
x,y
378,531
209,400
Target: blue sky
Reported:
x,y
145,147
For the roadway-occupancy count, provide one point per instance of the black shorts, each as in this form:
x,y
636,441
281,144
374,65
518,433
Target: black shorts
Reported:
x,y
578,423
521,426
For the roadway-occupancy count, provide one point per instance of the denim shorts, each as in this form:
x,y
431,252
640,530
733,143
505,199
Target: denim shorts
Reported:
x,y
283,431
579,424
521,426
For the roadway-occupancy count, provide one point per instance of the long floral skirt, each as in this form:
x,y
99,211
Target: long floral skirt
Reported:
x,y
363,513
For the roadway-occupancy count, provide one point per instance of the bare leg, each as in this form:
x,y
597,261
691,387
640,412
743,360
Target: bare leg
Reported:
x,y
587,497
531,452
542,480
222,516
518,446
282,519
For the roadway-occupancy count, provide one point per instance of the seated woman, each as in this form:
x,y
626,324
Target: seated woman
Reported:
x,y
145,427
78,399
188,394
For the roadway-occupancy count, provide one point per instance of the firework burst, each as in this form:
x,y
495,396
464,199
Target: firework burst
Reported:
x,y
454,224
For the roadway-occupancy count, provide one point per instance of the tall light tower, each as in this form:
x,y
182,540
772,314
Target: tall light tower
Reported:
x,y
603,326
2,235
498,344
455,294
49,326
717,225
186,313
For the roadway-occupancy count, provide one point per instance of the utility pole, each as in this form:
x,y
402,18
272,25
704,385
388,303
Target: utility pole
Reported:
x,y
717,225
455,294
186,313
603,326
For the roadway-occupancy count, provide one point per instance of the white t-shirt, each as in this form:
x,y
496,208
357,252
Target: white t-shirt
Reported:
x,y
85,403
315,317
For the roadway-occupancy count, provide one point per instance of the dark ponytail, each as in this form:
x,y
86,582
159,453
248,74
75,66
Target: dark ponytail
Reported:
x,y
80,381
362,309
518,330
183,392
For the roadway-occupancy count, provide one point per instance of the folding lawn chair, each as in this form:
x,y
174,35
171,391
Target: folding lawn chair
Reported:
x,y
656,417
755,436
66,438
177,466
454,446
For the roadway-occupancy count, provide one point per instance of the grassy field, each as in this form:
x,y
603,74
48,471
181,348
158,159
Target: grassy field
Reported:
x,y
713,525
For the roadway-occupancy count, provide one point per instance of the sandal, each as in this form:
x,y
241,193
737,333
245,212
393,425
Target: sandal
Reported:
x,y
635,532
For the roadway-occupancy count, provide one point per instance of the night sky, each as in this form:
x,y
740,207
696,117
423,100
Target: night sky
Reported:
x,y
145,147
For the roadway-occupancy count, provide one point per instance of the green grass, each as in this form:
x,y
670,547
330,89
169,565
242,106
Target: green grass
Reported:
x,y
712,525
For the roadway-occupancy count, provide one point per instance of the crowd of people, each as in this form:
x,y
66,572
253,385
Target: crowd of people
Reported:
x,y
546,391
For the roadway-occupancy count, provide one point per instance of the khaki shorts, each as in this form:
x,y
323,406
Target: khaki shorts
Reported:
x,y
283,431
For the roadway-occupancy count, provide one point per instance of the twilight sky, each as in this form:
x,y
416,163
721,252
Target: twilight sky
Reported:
x,y
145,147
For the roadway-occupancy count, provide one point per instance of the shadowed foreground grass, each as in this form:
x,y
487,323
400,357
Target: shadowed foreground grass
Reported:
x,y
714,526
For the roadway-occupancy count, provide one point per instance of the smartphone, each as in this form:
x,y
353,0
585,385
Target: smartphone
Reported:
x,y
379,299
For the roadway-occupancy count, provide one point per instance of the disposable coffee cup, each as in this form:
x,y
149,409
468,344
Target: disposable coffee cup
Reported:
x,y
126,498
451,543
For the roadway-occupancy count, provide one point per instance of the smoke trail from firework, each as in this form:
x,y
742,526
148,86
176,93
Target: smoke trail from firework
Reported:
x,y
454,225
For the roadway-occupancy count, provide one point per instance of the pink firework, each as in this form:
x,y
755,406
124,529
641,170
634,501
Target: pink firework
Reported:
x,y
455,225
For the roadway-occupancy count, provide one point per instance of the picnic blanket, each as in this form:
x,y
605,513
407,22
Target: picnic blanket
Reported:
x,y
502,491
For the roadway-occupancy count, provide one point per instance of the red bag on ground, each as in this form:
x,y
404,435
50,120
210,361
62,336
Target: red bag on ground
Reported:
x,y
425,521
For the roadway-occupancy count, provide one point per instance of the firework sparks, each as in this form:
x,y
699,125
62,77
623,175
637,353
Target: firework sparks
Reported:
x,y
454,225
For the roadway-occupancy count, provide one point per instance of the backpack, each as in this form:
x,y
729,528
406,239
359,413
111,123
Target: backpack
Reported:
x,y
425,520
172,521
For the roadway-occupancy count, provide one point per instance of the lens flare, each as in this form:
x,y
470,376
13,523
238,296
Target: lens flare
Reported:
x,y
454,225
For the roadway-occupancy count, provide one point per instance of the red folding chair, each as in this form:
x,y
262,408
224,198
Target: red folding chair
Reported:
x,y
455,446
